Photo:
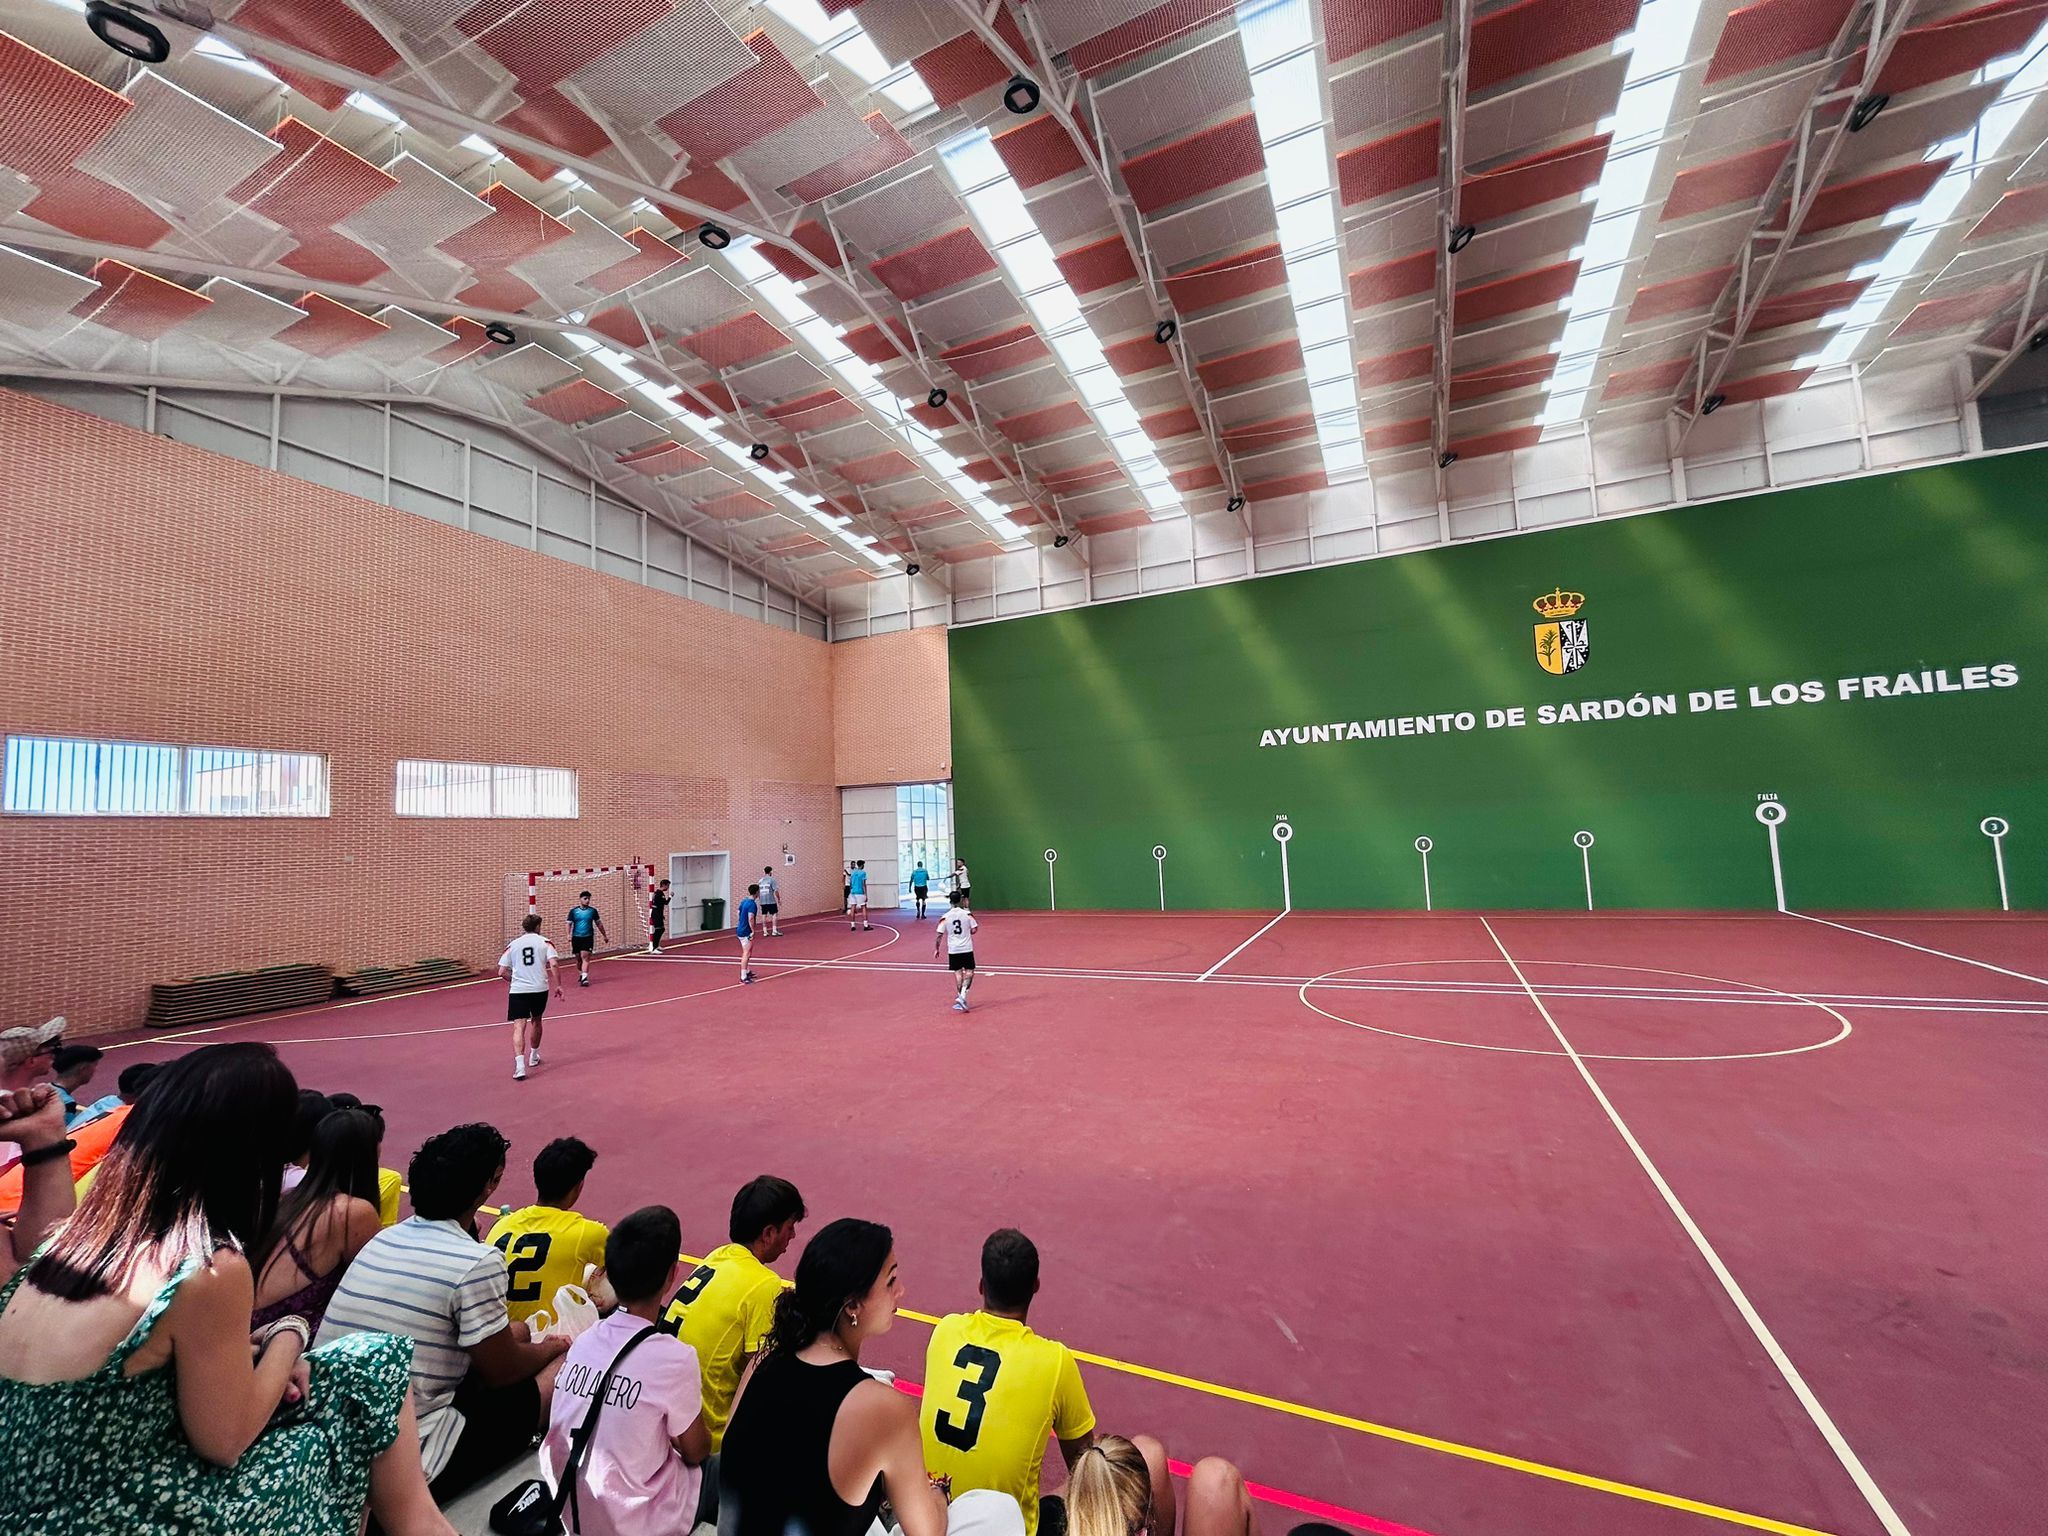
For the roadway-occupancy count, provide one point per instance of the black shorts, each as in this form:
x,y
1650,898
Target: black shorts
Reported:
x,y
525,1005
584,945
960,962
963,892
497,1424
770,908
920,891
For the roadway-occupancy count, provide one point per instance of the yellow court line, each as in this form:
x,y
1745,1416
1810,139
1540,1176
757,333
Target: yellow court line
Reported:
x,y
1432,1443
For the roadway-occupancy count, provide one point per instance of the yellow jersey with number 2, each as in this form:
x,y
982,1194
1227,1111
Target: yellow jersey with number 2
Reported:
x,y
545,1248
994,1394
723,1310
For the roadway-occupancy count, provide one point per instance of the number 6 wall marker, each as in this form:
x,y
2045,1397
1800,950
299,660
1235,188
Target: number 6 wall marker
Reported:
x,y
1772,814
1995,828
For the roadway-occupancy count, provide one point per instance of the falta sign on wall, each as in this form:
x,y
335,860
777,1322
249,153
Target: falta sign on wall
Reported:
x,y
1563,648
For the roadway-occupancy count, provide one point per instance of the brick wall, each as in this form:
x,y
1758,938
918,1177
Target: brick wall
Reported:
x,y
158,592
892,708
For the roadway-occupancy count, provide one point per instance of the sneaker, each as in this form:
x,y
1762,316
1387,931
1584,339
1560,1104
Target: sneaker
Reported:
x,y
864,927
582,981
533,1058
747,980
958,1006
519,1074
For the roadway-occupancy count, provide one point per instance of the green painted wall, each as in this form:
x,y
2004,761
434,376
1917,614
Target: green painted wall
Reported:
x,y
1102,731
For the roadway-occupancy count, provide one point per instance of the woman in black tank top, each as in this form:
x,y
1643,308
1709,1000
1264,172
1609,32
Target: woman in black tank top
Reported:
x,y
815,1443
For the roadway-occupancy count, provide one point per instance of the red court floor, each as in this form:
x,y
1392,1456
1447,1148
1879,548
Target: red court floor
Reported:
x,y
1514,1225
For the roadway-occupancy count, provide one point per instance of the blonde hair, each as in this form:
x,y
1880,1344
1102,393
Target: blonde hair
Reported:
x,y
1109,1492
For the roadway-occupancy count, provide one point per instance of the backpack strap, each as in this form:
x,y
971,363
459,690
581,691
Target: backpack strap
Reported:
x,y
580,1438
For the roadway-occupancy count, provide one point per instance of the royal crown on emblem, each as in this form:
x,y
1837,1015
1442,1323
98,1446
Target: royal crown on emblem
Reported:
x,y
1560,604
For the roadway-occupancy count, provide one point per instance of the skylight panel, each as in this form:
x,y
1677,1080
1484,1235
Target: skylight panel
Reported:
x,y
1657,50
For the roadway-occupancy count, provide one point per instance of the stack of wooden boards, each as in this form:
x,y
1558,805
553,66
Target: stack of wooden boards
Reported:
x,y
377,978
230,994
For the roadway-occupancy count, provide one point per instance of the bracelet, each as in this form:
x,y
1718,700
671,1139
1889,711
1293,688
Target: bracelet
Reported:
x,y
297,1325
49,1154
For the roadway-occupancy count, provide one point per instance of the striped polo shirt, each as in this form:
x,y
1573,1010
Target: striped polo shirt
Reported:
x,y
437,1285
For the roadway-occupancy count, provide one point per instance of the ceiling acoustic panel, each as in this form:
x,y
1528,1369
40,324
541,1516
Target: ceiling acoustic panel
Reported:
x,y
1774,32
1390,165
767,95
1393,281
1533,34
1649,379
656,69
883,150
1130,41
311,183
330,328
1351,27
958,69
1544,109
1100,264
934,265
55,114
1200,163
515,229
1528,183
577,401
181,152
422,209
1511,295
1038,150
1737,178
1680,296
1959,45
138,304
1175,93
986,356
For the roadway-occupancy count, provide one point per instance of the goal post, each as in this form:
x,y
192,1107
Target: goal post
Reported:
x,y
618,891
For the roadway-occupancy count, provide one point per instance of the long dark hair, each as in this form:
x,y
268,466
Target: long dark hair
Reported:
x,y
195,1167
839,1265
342,1160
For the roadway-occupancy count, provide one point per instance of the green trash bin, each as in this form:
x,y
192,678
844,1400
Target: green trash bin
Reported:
x,y
714,914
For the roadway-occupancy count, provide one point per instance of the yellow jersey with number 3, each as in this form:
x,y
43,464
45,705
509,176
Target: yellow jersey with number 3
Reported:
x,y
545,1248
994,1394
723,1310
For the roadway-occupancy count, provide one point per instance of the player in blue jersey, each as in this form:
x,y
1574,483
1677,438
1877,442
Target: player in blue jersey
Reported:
x,y
750,912
857,896
583,919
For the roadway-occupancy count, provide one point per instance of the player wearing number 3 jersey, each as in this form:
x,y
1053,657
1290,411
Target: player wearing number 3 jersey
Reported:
x,y
994,1391
724,1306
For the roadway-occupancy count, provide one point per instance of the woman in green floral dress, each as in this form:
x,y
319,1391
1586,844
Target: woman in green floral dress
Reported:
x,y
132,1396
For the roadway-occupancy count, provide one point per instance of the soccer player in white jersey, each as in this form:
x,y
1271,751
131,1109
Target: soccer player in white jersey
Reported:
x,y
956,937
529,964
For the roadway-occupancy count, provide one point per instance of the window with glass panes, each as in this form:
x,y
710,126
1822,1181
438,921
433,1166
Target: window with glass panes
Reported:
x,y
924,834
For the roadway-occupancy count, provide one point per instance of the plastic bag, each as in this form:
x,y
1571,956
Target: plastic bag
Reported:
x,y
575,1314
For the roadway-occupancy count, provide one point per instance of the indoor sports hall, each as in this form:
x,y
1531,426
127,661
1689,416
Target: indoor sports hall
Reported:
x,y
989,609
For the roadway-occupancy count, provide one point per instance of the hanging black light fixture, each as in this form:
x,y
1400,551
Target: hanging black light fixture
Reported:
x,y
1864,113
1021,96
127,33
714,237
1712,404
1446,460
1166,330
758,452
1462,237
1235,504
936,398
1059,541
501,333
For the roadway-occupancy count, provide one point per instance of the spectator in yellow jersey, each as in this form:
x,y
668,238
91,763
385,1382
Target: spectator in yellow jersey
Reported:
x,y
995,1392
726,1305
548,1245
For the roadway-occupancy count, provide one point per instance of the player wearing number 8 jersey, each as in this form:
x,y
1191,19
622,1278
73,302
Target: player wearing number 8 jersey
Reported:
x,y
725,1306
994,1391
529,964
548,1245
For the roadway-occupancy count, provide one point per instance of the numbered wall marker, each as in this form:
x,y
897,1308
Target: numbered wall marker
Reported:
x,y
1159,858
1772,814
1422,846
1051,891
1995,828
1283,834
1584,840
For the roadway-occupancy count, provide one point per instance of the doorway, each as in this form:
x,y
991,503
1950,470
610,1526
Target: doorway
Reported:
x,y
693,877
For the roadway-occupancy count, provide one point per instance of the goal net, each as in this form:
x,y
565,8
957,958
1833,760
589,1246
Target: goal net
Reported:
x,y
618,891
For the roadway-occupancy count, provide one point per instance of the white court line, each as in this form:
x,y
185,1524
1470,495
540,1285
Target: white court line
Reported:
x,y
1247,944
1771,999
1879,1504
1982,965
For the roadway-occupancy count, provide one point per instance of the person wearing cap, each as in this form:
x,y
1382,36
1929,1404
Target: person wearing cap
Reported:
x,y
26,1054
